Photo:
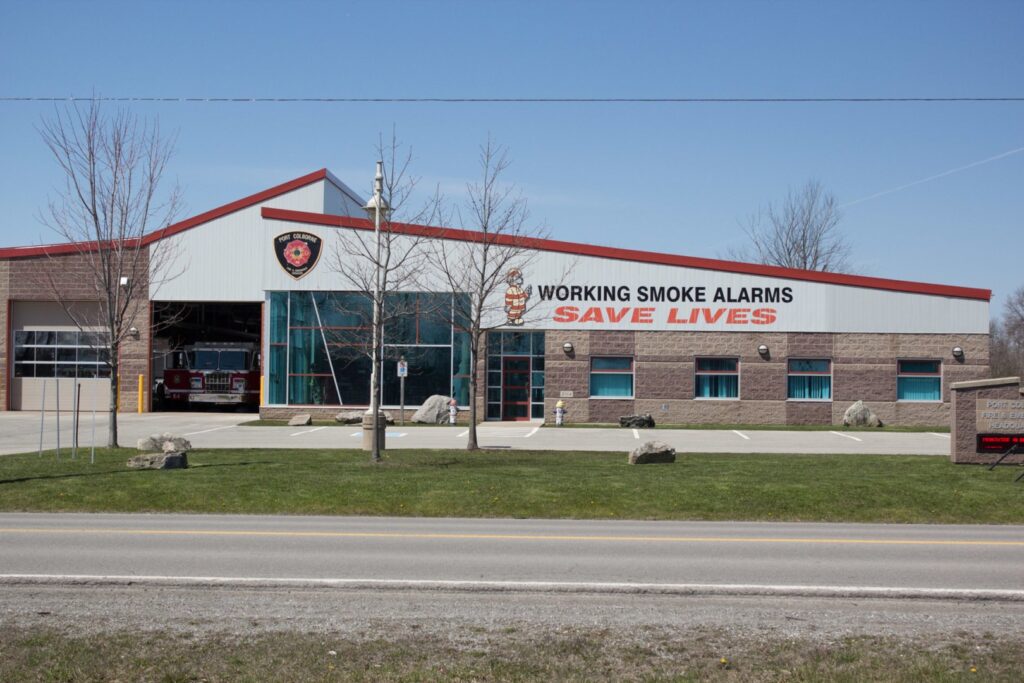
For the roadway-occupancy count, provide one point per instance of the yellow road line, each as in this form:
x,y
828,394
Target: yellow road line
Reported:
x,y
510,537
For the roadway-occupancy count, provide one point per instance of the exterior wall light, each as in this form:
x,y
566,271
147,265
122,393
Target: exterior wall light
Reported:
x,y
567,347
958,353
763,350
134,332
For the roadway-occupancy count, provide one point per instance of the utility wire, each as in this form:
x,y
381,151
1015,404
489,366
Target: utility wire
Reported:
x,y
517,100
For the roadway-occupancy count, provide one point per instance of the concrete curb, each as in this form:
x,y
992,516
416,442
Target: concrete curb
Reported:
x,y
599,588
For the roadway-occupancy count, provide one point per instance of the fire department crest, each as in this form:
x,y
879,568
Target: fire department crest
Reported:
x,y
516,297
297,252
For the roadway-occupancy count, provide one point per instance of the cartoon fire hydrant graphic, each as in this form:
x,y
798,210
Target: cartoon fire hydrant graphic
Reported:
x,y
516,297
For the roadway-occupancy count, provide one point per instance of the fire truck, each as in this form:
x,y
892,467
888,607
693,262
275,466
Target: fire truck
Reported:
x,y
212,374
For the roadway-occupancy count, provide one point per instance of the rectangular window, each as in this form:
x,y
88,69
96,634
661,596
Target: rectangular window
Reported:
x,y
45,353
809,380
717,378
919,380
611,377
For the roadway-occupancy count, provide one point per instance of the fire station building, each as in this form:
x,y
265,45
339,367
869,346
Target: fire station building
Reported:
x,y
608,331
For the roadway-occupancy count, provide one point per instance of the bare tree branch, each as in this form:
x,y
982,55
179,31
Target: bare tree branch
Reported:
x,y
802,233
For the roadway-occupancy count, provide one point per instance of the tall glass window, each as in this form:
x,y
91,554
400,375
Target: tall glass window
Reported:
x,y
611,377
319,347
717,378
810,380
918,380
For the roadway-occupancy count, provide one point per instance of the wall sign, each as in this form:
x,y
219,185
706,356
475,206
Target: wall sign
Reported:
x,y
1000,415
999,443
297,252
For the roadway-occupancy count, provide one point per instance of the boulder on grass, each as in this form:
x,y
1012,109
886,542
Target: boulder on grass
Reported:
x,y
652,452
859,415
177,460
434,410
163,443
355,417
637,421
301,420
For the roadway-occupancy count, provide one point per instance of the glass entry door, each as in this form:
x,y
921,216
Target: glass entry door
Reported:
x,y
515,388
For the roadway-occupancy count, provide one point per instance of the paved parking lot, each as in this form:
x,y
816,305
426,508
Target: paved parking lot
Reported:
x,y
19,433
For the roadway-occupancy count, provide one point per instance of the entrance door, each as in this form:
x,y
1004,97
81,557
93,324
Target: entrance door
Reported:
x,y
515,388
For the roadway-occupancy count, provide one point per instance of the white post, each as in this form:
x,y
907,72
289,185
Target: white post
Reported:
x,y
378,188
92,454
42,418
57,380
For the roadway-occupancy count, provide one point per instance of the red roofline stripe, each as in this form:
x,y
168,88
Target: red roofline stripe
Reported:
x,y
174,228
634,255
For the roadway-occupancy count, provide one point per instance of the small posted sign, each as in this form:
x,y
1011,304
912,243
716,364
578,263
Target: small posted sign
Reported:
x,y
403,368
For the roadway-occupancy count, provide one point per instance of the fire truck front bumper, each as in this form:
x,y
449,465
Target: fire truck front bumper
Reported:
x,y
217,398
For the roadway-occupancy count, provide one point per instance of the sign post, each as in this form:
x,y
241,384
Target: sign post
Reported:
x,y
403,372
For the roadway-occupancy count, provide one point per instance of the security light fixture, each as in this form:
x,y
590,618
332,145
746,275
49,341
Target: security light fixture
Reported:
x,y
124,280
763,350
567,347
958,353
134,332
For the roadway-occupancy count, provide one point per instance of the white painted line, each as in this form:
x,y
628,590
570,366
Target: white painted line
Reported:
x,y
535,430
397,435
356,434
741,434
205,431
846,435
896,592
465,433
636,433
308,431
941,436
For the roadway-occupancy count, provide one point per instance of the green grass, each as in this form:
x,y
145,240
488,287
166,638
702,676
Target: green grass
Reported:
x,y
766,427
543,484
513,654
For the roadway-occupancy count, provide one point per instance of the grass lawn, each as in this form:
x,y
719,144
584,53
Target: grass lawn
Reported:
x,y
510,655
430,483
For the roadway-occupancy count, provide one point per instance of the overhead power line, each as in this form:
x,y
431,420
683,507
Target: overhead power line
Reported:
x,y
516,100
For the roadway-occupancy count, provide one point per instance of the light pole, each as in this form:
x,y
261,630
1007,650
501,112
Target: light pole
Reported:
x,y
374,208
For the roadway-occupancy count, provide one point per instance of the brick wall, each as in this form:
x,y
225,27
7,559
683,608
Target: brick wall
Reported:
x,y
963,444
41,279
864,368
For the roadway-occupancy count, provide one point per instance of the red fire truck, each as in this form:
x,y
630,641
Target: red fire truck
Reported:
x,y
212,374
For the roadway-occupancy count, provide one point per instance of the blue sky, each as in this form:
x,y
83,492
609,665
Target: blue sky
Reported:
x,y
679,178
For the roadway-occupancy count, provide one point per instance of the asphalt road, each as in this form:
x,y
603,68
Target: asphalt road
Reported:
x,y
19,433
516,555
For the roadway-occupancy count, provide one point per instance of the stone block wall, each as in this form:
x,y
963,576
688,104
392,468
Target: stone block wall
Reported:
x,y
863,368
39,279
966,395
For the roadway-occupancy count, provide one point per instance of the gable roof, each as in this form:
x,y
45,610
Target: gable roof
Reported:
x,y
188,223
579,249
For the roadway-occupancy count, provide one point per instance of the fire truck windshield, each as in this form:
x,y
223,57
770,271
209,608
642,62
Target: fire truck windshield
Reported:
x,y
217,360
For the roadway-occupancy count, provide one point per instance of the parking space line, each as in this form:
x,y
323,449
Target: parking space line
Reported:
x,y
465,433
636,433
535,430
941,436
741,434
308,431
205,431
847,436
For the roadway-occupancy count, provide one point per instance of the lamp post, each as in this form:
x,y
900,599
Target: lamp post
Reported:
x,y
374,208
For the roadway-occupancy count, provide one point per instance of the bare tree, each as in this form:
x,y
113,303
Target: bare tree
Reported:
x,y
113,169
1006,338
801,233
378,269
482,272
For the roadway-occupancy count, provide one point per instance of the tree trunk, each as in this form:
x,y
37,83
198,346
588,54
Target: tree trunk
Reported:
x,y
471,442
112,425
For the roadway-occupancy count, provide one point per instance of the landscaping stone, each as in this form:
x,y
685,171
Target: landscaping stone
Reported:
x,y
350,417
652,452
164,443
301,420
637,421
175,460
434,410
859,415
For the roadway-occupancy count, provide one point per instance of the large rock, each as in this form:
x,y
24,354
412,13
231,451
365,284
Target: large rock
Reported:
x,y
163,443
637,421
159,461
355,417
859,415
301,420
434,411
652,452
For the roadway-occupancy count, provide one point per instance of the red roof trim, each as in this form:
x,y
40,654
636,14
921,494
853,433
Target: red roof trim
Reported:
x,y
174,228
641,256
